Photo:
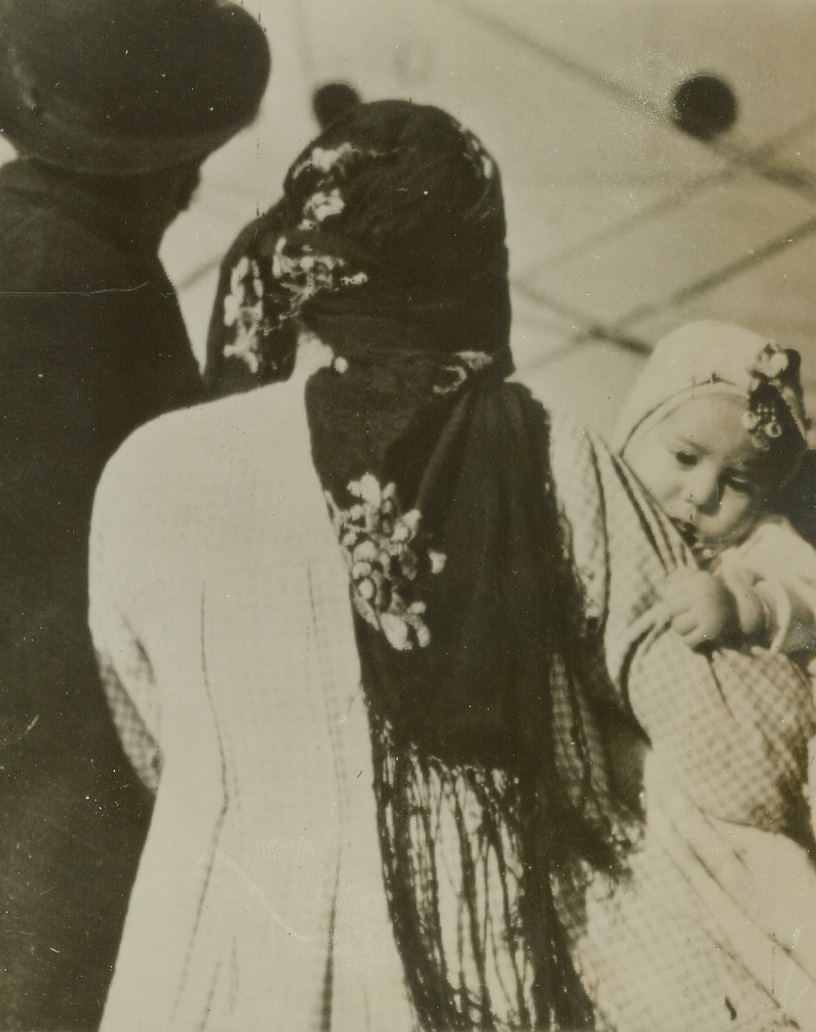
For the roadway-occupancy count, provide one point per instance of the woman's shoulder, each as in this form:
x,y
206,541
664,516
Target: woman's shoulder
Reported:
x,y
227,486
197,436
188,468
169,455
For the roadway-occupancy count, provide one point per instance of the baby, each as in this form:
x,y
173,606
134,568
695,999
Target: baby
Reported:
x,y
712,429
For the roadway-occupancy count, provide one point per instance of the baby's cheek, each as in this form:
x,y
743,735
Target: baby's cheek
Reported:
x,y
664,490
743,517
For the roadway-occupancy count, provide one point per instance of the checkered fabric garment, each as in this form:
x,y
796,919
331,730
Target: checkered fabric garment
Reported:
x,y
683,943
731,728
220,612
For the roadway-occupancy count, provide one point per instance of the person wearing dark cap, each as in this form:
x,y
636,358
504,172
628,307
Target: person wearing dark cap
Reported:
x,y
112,107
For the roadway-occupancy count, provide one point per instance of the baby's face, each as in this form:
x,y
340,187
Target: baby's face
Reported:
x,y
700,466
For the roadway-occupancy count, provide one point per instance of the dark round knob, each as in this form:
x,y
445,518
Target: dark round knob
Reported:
x,y
331,100
704,106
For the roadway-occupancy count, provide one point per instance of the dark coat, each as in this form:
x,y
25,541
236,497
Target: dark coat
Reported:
x,y
93,345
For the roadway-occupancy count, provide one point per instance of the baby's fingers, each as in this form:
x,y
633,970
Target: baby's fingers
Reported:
x,y
660,616
695,637
683,580
685,622
675,600
678,586
690,630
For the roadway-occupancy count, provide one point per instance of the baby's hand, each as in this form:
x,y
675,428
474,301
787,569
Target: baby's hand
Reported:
x,y
698,606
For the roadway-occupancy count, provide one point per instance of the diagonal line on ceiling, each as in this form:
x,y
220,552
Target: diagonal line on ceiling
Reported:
x,y
585,326
198,273
583,338
760,161
541,297
792,177
665,205
566,63
617,332
710,282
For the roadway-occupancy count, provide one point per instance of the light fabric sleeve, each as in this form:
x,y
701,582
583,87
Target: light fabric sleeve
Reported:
x,y
777,564
125,670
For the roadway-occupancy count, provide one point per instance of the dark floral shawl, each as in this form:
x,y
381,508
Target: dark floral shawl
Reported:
x,y
388,244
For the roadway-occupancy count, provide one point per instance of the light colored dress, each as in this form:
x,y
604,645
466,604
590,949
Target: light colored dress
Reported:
x,y
220,610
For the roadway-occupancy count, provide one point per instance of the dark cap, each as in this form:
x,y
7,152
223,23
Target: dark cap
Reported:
x,y
127,86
